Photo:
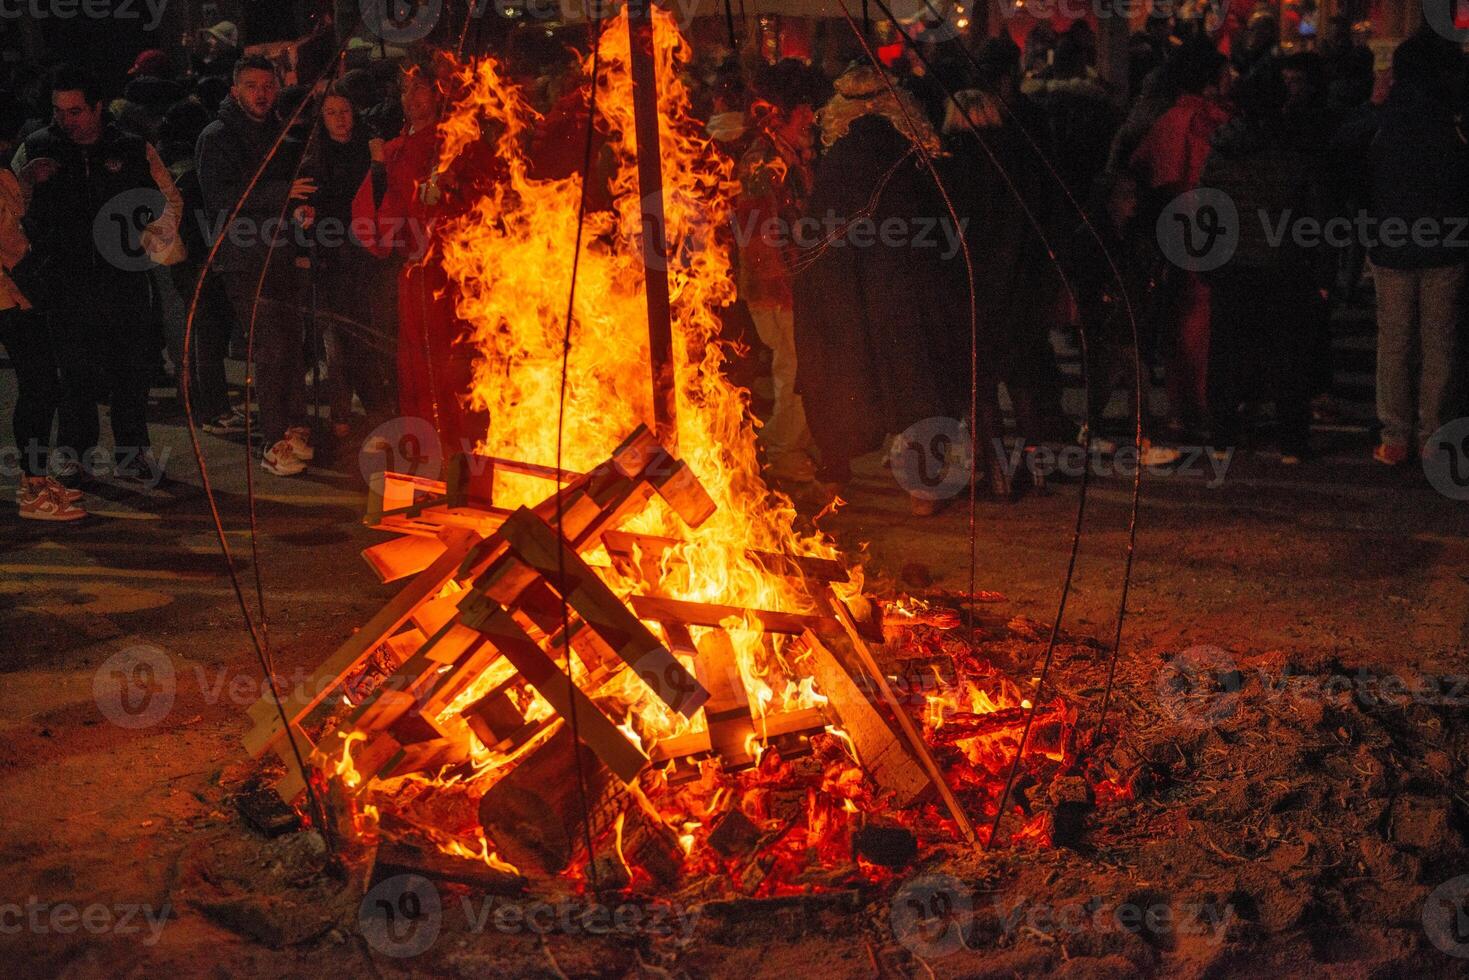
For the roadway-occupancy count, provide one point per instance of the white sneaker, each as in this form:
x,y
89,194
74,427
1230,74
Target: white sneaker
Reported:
x,y
281,459
300,439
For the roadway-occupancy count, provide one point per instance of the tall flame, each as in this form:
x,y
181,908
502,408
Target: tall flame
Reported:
x,y
510,260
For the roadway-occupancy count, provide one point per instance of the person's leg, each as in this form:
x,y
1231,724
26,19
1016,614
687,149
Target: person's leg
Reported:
x,y
76,355
23,334
1295,347
1397,318
128,362
1440,299
338,374
277,354
1189,356
209,391
786,434
1232,308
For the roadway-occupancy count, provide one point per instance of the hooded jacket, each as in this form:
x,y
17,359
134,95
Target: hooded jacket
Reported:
x,y
228,153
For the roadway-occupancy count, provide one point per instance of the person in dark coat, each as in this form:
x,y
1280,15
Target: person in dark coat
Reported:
x,y
358,334
1010,197
1418,156
229,152
875,337
94,289
1266,295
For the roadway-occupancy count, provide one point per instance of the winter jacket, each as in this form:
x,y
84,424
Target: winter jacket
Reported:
x,y
1271,174
228,153
1418,162
99,191
1082,121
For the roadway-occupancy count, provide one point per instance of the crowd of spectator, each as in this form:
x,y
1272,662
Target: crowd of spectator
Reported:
x,y
1023,191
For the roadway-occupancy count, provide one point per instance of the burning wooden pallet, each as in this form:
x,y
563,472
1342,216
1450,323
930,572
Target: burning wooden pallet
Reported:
x,y
490,588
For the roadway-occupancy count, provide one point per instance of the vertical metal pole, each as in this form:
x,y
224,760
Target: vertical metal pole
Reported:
x,y
655,239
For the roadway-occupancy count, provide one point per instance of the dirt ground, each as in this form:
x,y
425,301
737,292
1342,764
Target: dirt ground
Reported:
x,y
1289,708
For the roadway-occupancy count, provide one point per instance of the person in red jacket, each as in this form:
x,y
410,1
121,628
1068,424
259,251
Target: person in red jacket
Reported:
x,y
1169,161
394,213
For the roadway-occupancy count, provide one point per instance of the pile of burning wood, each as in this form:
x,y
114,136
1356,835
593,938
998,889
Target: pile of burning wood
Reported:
x,y
629,668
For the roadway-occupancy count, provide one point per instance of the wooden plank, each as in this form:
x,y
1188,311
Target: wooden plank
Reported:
x,y
879,748
398,858
857,657
293,783
622,544
402,556
537,814
727,712
660,610
599,733
806,720
535,542
682,491
267,724
431,616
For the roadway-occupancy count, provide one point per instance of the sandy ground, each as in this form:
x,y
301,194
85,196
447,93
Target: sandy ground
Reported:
x,y
113,815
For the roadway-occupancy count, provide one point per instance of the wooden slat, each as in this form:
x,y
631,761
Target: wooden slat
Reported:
x,y
596,730
267,725
402,556
660,610
879,748
770,726
535,543
727,712
856,658
622,543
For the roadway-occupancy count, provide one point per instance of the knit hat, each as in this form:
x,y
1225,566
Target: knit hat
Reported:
x,y
153,63
226,33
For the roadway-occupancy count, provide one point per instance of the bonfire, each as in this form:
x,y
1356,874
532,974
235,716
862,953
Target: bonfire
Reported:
x,y
621,659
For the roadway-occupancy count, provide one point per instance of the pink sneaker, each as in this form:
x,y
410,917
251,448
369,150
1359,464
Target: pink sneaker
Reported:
x,y
39,501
